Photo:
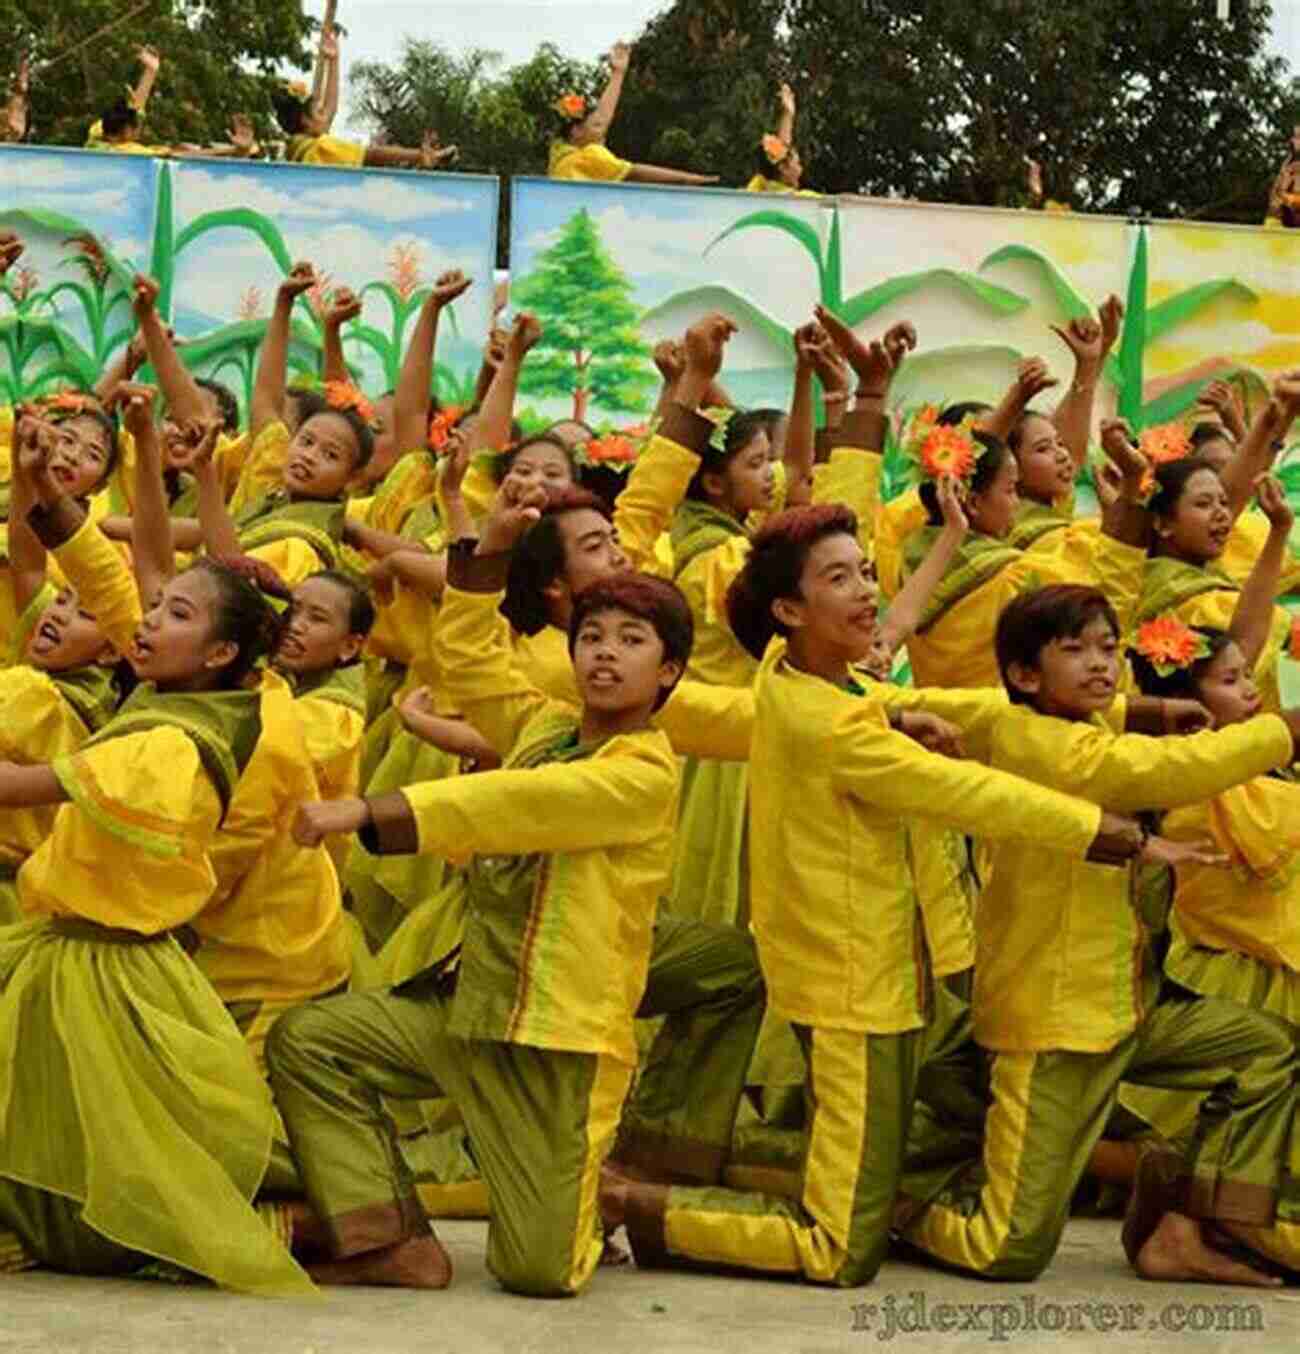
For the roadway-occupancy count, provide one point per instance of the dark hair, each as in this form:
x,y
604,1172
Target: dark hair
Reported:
x,y
107,422
361,430
763,165
652,599
118,118
1210,432
775,564
588,432
742,428
769,418
227,404
309,402
1017,434
1171,479
1033,620
289,111
539,440
1180,682
361,608
952,414
538,560
243,615
987,466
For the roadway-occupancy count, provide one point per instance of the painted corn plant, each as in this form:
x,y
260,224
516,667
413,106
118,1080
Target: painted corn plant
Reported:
x,y
1144,326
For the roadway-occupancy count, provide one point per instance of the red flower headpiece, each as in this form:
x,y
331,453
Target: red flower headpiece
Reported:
x,y
343,395
441,426
1168,645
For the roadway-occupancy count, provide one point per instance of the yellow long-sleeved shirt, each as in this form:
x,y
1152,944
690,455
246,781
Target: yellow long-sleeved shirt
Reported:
x,y
1252,907
834,903
105,585
1062,960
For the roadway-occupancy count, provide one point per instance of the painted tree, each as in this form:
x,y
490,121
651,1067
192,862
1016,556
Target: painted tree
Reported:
x,y
591,347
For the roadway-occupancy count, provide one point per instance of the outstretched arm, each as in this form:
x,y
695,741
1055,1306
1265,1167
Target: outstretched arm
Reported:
x,y
799,436
659,174
498,409
343,306
149,63
907,608
785,128
220,538
184,400
1090,341
1032,379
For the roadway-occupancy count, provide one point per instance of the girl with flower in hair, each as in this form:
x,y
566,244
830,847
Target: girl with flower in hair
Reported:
x,y
1236,932
1193,510
119,127
307,118
578,150
780,170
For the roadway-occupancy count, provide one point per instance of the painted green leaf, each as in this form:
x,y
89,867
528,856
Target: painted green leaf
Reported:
x,y
866,303
739,308
1133,342
1072,304
1173,403
389,293
239,218
833,273
1176,309
229,338
162,259
791,225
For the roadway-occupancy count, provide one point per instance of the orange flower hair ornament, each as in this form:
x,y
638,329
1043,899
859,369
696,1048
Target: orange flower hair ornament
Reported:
x,y
296,90
614,450
942,449
1169,645
342,395
1165,442
775,149
571,107
442,425
64,405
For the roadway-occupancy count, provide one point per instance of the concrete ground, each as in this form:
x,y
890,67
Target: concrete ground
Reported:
x,y
1088,1300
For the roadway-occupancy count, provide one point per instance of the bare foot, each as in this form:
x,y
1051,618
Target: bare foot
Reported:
x,y
417,1262
1177,1250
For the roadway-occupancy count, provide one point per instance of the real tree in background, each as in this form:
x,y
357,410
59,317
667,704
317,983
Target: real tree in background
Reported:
x,y
591,348
219,59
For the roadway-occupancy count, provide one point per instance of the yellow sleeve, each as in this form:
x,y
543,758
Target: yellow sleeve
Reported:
x,y
703,720
27,621
292,558
618,798
230,458
333,150
39,725
1255,824
888,771
480,677
333,735
105,585
263,469
852,477
402,629
359,508
1127,773
595,162
1119,570
655,487
479,491
143,814
895,522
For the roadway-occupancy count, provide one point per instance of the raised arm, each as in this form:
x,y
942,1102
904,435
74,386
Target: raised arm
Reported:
x,y
220,538
149,63
1263,441
494,351
1032,378
33,442
132,358
800,436
785,128
1090,342
411,400
185,402
15,119
601,118
1253,617
267,404
153,553
325,79
1222,399
498,409
343,306
875,364
907,608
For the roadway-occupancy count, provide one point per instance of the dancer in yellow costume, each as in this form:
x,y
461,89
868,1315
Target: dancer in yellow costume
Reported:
x,y
578,150
834,783
538,1061
780,170
1065,1022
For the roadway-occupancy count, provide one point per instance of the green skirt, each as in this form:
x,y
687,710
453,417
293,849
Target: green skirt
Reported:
x,y
126,1088
711,871
1237,977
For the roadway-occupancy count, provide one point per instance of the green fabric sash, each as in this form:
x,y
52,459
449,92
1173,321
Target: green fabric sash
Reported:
x,y
91,692
276,517
425,521
224,727
978,559
182,494
697,528
1034,521
343,686
1167,583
